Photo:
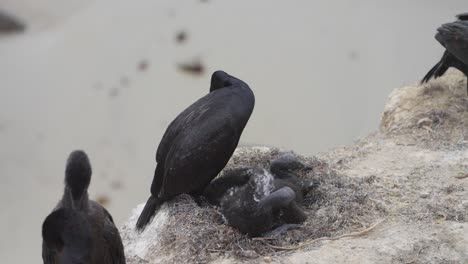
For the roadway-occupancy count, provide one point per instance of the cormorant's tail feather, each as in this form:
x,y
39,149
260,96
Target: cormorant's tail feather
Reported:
x,y
151,206
438,70
430,73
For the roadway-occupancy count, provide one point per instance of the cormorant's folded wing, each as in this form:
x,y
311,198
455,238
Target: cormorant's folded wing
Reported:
x,y
183,121
48,255
114,243
454,37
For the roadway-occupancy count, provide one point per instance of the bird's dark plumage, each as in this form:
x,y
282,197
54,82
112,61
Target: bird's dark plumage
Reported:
x,y
80,230
454,37
231,178
68,233
253,217
199,142
253,199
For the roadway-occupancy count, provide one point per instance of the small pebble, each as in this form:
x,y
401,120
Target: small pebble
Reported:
x,y
116,185
424,195
249,254
103,200
114,92
143,66
124,81
267,259
181,37
193,67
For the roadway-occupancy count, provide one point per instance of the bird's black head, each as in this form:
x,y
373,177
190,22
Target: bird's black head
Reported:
x,y
287,162
221,79
78,173
67,232
462,17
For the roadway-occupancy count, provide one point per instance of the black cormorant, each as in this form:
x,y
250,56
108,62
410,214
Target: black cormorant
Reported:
x,y
80,230
199,142
454,37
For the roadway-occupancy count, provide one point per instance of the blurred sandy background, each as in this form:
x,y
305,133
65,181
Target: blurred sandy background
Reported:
x,y
105,76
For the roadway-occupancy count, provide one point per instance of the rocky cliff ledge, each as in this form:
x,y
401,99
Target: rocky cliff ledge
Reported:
x,y
399,195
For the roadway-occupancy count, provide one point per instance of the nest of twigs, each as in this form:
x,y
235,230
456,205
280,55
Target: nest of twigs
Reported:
x,y
338,205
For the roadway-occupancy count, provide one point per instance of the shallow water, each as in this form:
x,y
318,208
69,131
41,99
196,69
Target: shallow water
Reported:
x,y
103,76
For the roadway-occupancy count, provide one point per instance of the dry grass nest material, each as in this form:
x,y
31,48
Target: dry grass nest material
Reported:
x,y
338,205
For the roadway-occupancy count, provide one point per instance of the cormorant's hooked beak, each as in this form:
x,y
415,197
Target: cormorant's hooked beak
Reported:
x,y
220,79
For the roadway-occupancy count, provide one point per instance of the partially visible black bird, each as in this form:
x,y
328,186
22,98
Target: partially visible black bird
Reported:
x,y
80,230
10,24
454,37
199,142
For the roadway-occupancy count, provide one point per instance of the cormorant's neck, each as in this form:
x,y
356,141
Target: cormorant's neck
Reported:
x,y
79,202
277,199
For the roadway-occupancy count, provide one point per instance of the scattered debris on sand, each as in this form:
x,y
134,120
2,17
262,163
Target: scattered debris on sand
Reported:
x,y
10,24
143,65
194,67
114,92
181,37
103,200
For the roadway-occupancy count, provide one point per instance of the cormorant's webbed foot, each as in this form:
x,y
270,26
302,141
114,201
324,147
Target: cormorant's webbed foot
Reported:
x,y
293,214
151,207
281,230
